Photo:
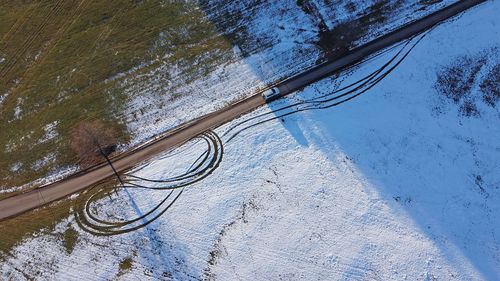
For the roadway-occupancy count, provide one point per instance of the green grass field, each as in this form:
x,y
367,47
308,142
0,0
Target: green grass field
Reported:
x,y
57,57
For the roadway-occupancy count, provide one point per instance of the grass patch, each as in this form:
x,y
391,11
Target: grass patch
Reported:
x,y
455,81
70,238
66,62
42,221
490,86
126,264
233,21
470,79
336,41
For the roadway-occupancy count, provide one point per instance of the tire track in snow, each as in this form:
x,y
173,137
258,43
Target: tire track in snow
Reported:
x,y
88,218
331,99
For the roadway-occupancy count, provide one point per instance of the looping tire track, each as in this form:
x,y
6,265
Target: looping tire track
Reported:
x,y
210,160
203,166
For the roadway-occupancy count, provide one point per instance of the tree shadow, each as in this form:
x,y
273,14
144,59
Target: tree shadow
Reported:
x,y
164,262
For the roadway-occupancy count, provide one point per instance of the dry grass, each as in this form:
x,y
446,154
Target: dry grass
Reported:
x,y
490,86
460,80
60,56
43,221
455,81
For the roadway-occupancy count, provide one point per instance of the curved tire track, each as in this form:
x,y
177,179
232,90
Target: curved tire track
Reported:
x,y
91,222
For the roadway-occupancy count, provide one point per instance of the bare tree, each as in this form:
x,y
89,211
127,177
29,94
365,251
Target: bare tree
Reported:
x,y
92,141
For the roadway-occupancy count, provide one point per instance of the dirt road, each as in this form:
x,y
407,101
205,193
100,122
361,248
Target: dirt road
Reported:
x,y
21,203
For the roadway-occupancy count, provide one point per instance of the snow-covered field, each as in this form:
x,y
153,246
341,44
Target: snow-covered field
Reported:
x,y
259,44
395,184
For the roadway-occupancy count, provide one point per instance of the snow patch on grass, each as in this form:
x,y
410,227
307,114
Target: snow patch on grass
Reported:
x,y
50,131
52,177
3,97
17,109
16,167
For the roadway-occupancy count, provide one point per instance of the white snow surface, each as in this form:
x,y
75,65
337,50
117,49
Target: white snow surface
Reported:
x,y
382,187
